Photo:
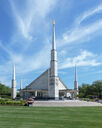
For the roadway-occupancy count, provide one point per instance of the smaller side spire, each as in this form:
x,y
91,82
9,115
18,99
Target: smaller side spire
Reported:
x,y
75,73
13,93
20,84
76,83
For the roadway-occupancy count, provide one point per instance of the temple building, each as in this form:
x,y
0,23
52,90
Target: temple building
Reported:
x,y
49,85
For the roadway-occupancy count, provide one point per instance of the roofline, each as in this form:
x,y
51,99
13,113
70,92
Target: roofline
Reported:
x,y
36,78
63,83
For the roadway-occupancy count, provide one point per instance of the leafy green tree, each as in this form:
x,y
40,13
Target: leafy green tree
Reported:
x,y
5,91
91,91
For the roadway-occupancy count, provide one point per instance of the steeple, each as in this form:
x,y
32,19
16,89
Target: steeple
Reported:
x,y
53,84
20,84
53,37
13,77
75,73
76,82
13,93
53,54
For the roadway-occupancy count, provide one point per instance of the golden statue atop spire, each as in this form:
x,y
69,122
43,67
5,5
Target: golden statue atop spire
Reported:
x,y
53,22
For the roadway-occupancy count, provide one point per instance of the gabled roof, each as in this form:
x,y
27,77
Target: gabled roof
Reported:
x,y
63,83
37,78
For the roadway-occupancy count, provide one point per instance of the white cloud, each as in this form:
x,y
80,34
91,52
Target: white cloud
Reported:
x,y
27,21
84,59
34,14
24,65
62,52
88,14
80,33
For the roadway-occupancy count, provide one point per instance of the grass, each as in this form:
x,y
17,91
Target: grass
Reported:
x,y
50,117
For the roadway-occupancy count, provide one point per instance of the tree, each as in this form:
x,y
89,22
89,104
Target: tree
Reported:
x,y
5,91
91,91
98,85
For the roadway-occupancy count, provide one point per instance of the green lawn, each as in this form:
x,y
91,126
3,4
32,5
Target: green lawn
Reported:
x,y
50,117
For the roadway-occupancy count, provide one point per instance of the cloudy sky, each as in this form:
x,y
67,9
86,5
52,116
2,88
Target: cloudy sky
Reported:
x,y
26,37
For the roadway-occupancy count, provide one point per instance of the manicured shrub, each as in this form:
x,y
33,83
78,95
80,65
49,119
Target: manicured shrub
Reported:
x,y
11,102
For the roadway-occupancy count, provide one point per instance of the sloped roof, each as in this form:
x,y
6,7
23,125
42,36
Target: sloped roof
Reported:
x,y
40,77
63,83
37,78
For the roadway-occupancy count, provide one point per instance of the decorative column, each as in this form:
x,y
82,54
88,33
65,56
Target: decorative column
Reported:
x,y
76,83
13,93
36,93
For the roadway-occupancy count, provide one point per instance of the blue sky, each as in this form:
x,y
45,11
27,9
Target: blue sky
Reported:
x,y
26,37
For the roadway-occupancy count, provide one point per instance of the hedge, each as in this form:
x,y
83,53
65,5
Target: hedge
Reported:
x,y
12,102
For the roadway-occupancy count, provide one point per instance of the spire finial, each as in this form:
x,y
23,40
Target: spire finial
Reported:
x,y
53,22
53,38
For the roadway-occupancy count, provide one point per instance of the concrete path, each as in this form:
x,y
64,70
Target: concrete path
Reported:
x,y
67,103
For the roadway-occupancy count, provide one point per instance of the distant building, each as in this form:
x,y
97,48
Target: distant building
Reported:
x,y
48,84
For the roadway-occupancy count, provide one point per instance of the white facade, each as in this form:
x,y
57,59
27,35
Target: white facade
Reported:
x,y
48,84
41,86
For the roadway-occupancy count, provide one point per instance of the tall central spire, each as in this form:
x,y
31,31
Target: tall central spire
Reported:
x,y
53,54
53,84
53,38
13,72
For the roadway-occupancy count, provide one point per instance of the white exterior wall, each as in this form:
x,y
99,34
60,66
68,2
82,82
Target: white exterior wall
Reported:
x,y
43,82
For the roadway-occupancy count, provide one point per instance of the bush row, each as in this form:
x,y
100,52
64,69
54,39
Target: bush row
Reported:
x,y
11,102
87,99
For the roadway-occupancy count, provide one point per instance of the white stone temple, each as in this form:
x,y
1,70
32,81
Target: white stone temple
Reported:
x,y
49,85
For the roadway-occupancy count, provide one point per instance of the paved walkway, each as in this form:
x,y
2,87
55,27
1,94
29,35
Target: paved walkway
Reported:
x,y
69,103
